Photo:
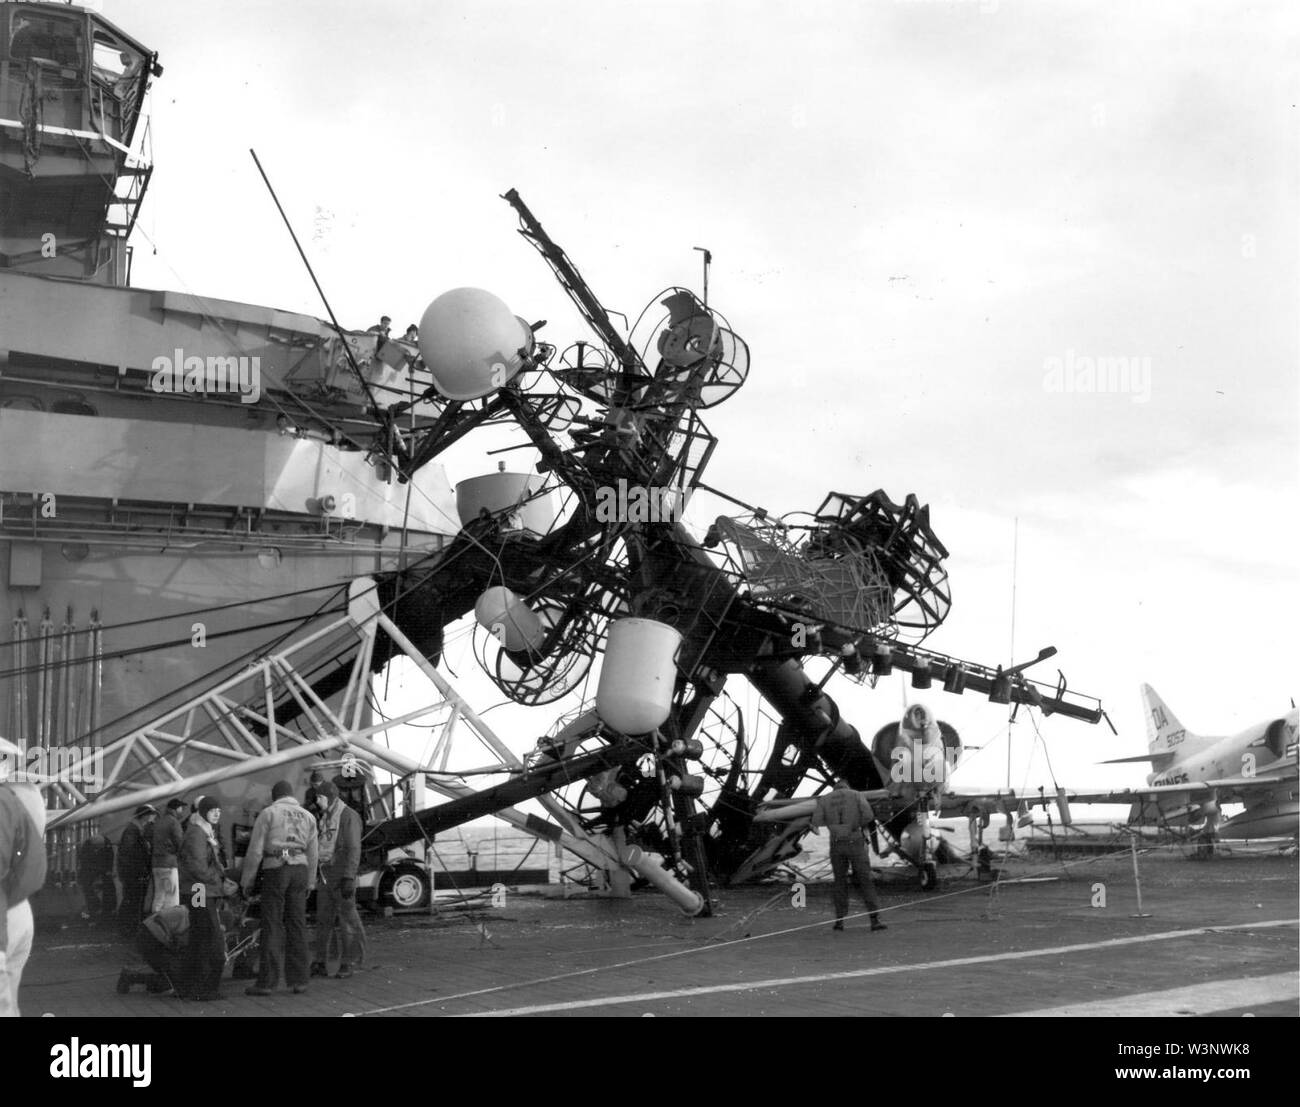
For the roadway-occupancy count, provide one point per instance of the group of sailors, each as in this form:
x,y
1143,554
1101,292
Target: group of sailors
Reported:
x,y
384,328
181,897
295,849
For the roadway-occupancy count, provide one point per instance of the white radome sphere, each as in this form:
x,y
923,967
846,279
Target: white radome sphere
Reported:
x,y
470,341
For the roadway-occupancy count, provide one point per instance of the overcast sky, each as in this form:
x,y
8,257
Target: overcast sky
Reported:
x,y
917,210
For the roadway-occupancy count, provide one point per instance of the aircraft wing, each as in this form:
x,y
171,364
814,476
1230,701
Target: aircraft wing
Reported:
x,y
953,805
1235,789
1238,789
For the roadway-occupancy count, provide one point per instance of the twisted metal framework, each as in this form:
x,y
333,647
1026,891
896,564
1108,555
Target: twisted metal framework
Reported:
x,y
864,573
850,591
910,553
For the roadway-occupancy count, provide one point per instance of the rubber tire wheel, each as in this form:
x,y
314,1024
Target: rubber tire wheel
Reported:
x,y
406,888
929,877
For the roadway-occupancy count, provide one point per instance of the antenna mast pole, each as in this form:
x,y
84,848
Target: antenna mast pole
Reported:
x,y
708,260
1015,550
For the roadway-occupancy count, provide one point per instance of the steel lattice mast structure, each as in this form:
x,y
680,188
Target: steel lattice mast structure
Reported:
x,y
754,599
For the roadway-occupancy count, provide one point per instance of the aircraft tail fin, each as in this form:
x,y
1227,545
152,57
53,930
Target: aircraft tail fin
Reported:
x,y
1166,736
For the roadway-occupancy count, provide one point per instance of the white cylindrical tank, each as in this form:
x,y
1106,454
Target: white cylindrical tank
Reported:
x,y
511,621
497,492
648,867
470,342
638,674
786,812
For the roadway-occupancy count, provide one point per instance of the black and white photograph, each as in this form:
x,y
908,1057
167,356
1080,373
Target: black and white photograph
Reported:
x,y
649,510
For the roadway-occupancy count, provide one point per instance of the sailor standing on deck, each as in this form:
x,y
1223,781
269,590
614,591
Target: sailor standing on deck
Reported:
x,y
166,848
846,814
309,800
336,898
134,862
95,879
22,872
285,848
204,887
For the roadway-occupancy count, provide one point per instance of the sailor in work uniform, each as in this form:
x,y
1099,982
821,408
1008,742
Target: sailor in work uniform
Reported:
x,y
846,814
284,847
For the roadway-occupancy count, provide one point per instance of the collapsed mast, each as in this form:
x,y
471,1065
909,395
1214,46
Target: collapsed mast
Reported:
x,y
860,581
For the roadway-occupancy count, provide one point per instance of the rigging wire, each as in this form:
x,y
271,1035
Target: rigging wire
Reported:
x,y
186,614
213,676
306,669
1033,718
337,432
257,651
71,662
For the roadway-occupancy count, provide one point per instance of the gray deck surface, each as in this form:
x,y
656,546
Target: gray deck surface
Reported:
x,y
1221,939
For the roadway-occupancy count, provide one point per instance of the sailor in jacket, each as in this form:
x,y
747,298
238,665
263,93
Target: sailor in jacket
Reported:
x,y
203,886
166,843
134,863
284,848
336,896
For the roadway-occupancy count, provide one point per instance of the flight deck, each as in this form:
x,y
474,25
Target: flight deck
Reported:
x,y
1219,938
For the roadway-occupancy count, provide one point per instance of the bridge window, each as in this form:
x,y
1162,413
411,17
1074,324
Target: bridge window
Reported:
x,y
56,40
114,63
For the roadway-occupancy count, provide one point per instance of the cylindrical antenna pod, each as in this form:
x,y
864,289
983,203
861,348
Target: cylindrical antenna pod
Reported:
x,y
511,621
512,493
648,867
638,675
